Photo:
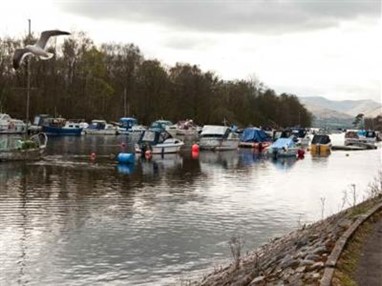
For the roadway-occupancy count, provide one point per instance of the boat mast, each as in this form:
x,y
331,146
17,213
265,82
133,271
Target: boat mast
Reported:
x,y
124,102
28,79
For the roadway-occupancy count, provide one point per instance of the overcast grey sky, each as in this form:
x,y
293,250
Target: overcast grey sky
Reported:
x,y
309,48
262,17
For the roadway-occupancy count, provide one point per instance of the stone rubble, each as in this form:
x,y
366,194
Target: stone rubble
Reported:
x,y
295,259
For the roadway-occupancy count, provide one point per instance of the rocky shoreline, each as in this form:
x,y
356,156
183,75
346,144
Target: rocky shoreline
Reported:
x,y
298,258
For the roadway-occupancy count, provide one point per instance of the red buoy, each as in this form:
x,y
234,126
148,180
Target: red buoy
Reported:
x,y
195,148
148,154
300,153
92,156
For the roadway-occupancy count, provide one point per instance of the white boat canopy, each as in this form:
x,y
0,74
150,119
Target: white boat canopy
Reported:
x,y
214,130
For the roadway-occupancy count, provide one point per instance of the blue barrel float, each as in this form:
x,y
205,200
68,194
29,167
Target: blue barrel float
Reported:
x,y
126,163
126,158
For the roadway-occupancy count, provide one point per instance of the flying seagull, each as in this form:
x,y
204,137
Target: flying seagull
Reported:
x,y
38,49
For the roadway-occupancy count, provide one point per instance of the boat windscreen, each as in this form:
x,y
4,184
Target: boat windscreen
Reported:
x,y
321,139
370,134
148,136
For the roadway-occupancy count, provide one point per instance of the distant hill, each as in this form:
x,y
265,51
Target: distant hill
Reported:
x,y
339,113
349,107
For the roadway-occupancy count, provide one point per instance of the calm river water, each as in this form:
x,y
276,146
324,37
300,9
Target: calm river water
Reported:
x,y
69,220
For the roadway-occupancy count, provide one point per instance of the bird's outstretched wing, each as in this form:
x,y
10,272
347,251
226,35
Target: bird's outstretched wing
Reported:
x,y
19,56
46,35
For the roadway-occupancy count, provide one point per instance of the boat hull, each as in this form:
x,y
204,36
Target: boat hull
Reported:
x,y
161,149
255,145
317,149
363,143
61,131
182,132
131,131
280,152
100,132
17,149
22,155
218,144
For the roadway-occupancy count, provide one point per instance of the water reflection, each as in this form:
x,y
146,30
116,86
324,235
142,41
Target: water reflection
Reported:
x,y
322,154
284,164
126,169
9,171
248,157
69,220
160,164
225,159
85,145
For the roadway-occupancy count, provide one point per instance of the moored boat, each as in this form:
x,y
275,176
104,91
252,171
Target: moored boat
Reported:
x,y
158,142
366,139
9,125
101,127
320,145
283,147
301,137
183,128
19,149
38,121
129,125
256,138
160,125
60,127
218,137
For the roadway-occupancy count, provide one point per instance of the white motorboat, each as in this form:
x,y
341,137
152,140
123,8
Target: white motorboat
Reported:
x,y
184,128
129,125
100,127
160,125
217,137
158,142
366,139
9,125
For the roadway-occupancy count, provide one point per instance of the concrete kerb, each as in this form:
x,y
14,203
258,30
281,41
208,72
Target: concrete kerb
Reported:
x,y
340,244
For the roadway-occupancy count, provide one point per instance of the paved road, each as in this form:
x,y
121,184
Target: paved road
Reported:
x,y
369,272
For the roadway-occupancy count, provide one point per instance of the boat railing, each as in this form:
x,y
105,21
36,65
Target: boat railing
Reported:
x,y
41,139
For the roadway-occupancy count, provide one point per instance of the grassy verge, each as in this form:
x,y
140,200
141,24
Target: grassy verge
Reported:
x,y
346,268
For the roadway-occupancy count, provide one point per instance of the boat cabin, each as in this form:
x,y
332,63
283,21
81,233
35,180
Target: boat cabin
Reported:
x,y
321,139
153,137
160,125
127,122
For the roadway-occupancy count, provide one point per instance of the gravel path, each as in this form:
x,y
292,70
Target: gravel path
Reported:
x,y
369,270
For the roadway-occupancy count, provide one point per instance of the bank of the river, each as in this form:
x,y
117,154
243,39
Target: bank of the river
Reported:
x,y
304,257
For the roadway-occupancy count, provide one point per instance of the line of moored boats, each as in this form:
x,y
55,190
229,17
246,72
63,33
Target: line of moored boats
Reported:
x,y
162,136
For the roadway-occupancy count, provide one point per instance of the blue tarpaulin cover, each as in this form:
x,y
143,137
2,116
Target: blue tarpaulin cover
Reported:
x,y
252,134
283,142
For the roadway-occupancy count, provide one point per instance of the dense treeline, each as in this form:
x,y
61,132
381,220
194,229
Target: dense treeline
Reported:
x,y
108,82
